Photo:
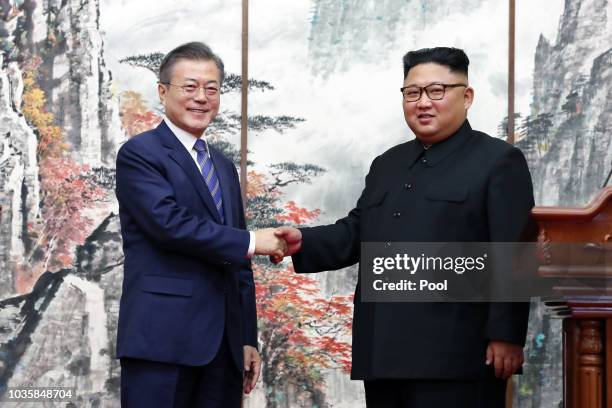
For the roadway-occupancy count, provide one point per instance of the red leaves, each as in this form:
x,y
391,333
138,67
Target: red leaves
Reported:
x,y
135,116
257,185
305,330
297,215
340,350
67,191
301,330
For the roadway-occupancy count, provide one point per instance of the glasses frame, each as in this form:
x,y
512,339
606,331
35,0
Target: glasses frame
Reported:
x,y
186,92
421,88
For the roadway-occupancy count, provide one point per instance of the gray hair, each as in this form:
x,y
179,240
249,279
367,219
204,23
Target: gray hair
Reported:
x,y
190,51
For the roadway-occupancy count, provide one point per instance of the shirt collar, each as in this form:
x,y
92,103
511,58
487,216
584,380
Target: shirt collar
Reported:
x,y
438,151
186,138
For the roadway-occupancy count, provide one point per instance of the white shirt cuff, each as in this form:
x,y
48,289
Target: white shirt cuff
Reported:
x,y
251,250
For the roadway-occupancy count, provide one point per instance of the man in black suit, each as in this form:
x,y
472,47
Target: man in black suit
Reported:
x,y
450,184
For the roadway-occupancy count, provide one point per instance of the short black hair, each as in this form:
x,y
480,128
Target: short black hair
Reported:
x,y
189,51
453,58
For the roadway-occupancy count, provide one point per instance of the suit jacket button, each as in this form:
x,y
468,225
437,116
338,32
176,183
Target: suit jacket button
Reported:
x,y
407,186
423,160
397,214
227,263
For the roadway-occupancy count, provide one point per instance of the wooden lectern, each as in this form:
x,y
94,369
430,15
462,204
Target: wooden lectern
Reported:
x,y
587,314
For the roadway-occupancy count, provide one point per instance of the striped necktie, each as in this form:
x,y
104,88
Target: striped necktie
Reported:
x,y
210,176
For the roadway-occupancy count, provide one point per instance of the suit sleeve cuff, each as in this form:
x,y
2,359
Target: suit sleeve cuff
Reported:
x,y
251,250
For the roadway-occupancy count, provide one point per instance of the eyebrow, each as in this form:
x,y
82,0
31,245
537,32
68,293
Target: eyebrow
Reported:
x,y
431,83
207,83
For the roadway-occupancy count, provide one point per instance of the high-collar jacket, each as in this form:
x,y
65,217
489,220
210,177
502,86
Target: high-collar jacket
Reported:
x,y
468,188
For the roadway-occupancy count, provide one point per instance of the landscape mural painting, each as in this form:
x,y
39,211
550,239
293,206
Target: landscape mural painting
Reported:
x,y
78,78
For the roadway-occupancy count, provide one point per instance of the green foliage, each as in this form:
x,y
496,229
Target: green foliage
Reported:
x,y
150,61
286,173
228,149
232,83
502,129
259,123
265,210
535,135
225,124
228,123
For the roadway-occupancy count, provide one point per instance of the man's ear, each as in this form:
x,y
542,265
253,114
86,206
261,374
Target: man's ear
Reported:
x,y
468,97
161,90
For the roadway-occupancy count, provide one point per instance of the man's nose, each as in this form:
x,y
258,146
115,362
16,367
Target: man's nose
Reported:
x,y
424,102
200,95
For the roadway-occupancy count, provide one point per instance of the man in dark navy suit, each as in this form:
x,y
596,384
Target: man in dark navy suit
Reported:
x,y
187,334
450,184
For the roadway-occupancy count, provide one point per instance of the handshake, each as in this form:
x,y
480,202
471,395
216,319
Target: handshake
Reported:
x,y
277,243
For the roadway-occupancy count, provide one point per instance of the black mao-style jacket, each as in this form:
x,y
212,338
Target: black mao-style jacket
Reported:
x,y
469,188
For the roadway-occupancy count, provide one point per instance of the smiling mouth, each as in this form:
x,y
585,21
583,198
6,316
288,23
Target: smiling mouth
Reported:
x,y
197,110
425,116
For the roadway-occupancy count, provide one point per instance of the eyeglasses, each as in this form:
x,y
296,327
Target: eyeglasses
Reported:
x,y
192,90
435,92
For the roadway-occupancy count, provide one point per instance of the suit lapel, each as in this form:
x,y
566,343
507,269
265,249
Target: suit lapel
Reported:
x,y
183,159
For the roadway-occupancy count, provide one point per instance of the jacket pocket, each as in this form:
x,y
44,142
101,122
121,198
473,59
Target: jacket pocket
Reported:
x,y
455,194
167,286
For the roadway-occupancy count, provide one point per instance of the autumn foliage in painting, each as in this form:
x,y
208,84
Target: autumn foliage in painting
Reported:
x,y
66,191
50,139
135,116
297,215
301,332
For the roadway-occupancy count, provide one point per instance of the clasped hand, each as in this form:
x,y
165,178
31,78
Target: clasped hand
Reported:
x,y
277,243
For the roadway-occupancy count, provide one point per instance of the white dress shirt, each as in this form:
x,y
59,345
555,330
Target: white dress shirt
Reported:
x,y
188,141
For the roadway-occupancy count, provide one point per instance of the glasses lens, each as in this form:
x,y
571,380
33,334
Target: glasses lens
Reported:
x,y
189,89
435,91
412,94
212,91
